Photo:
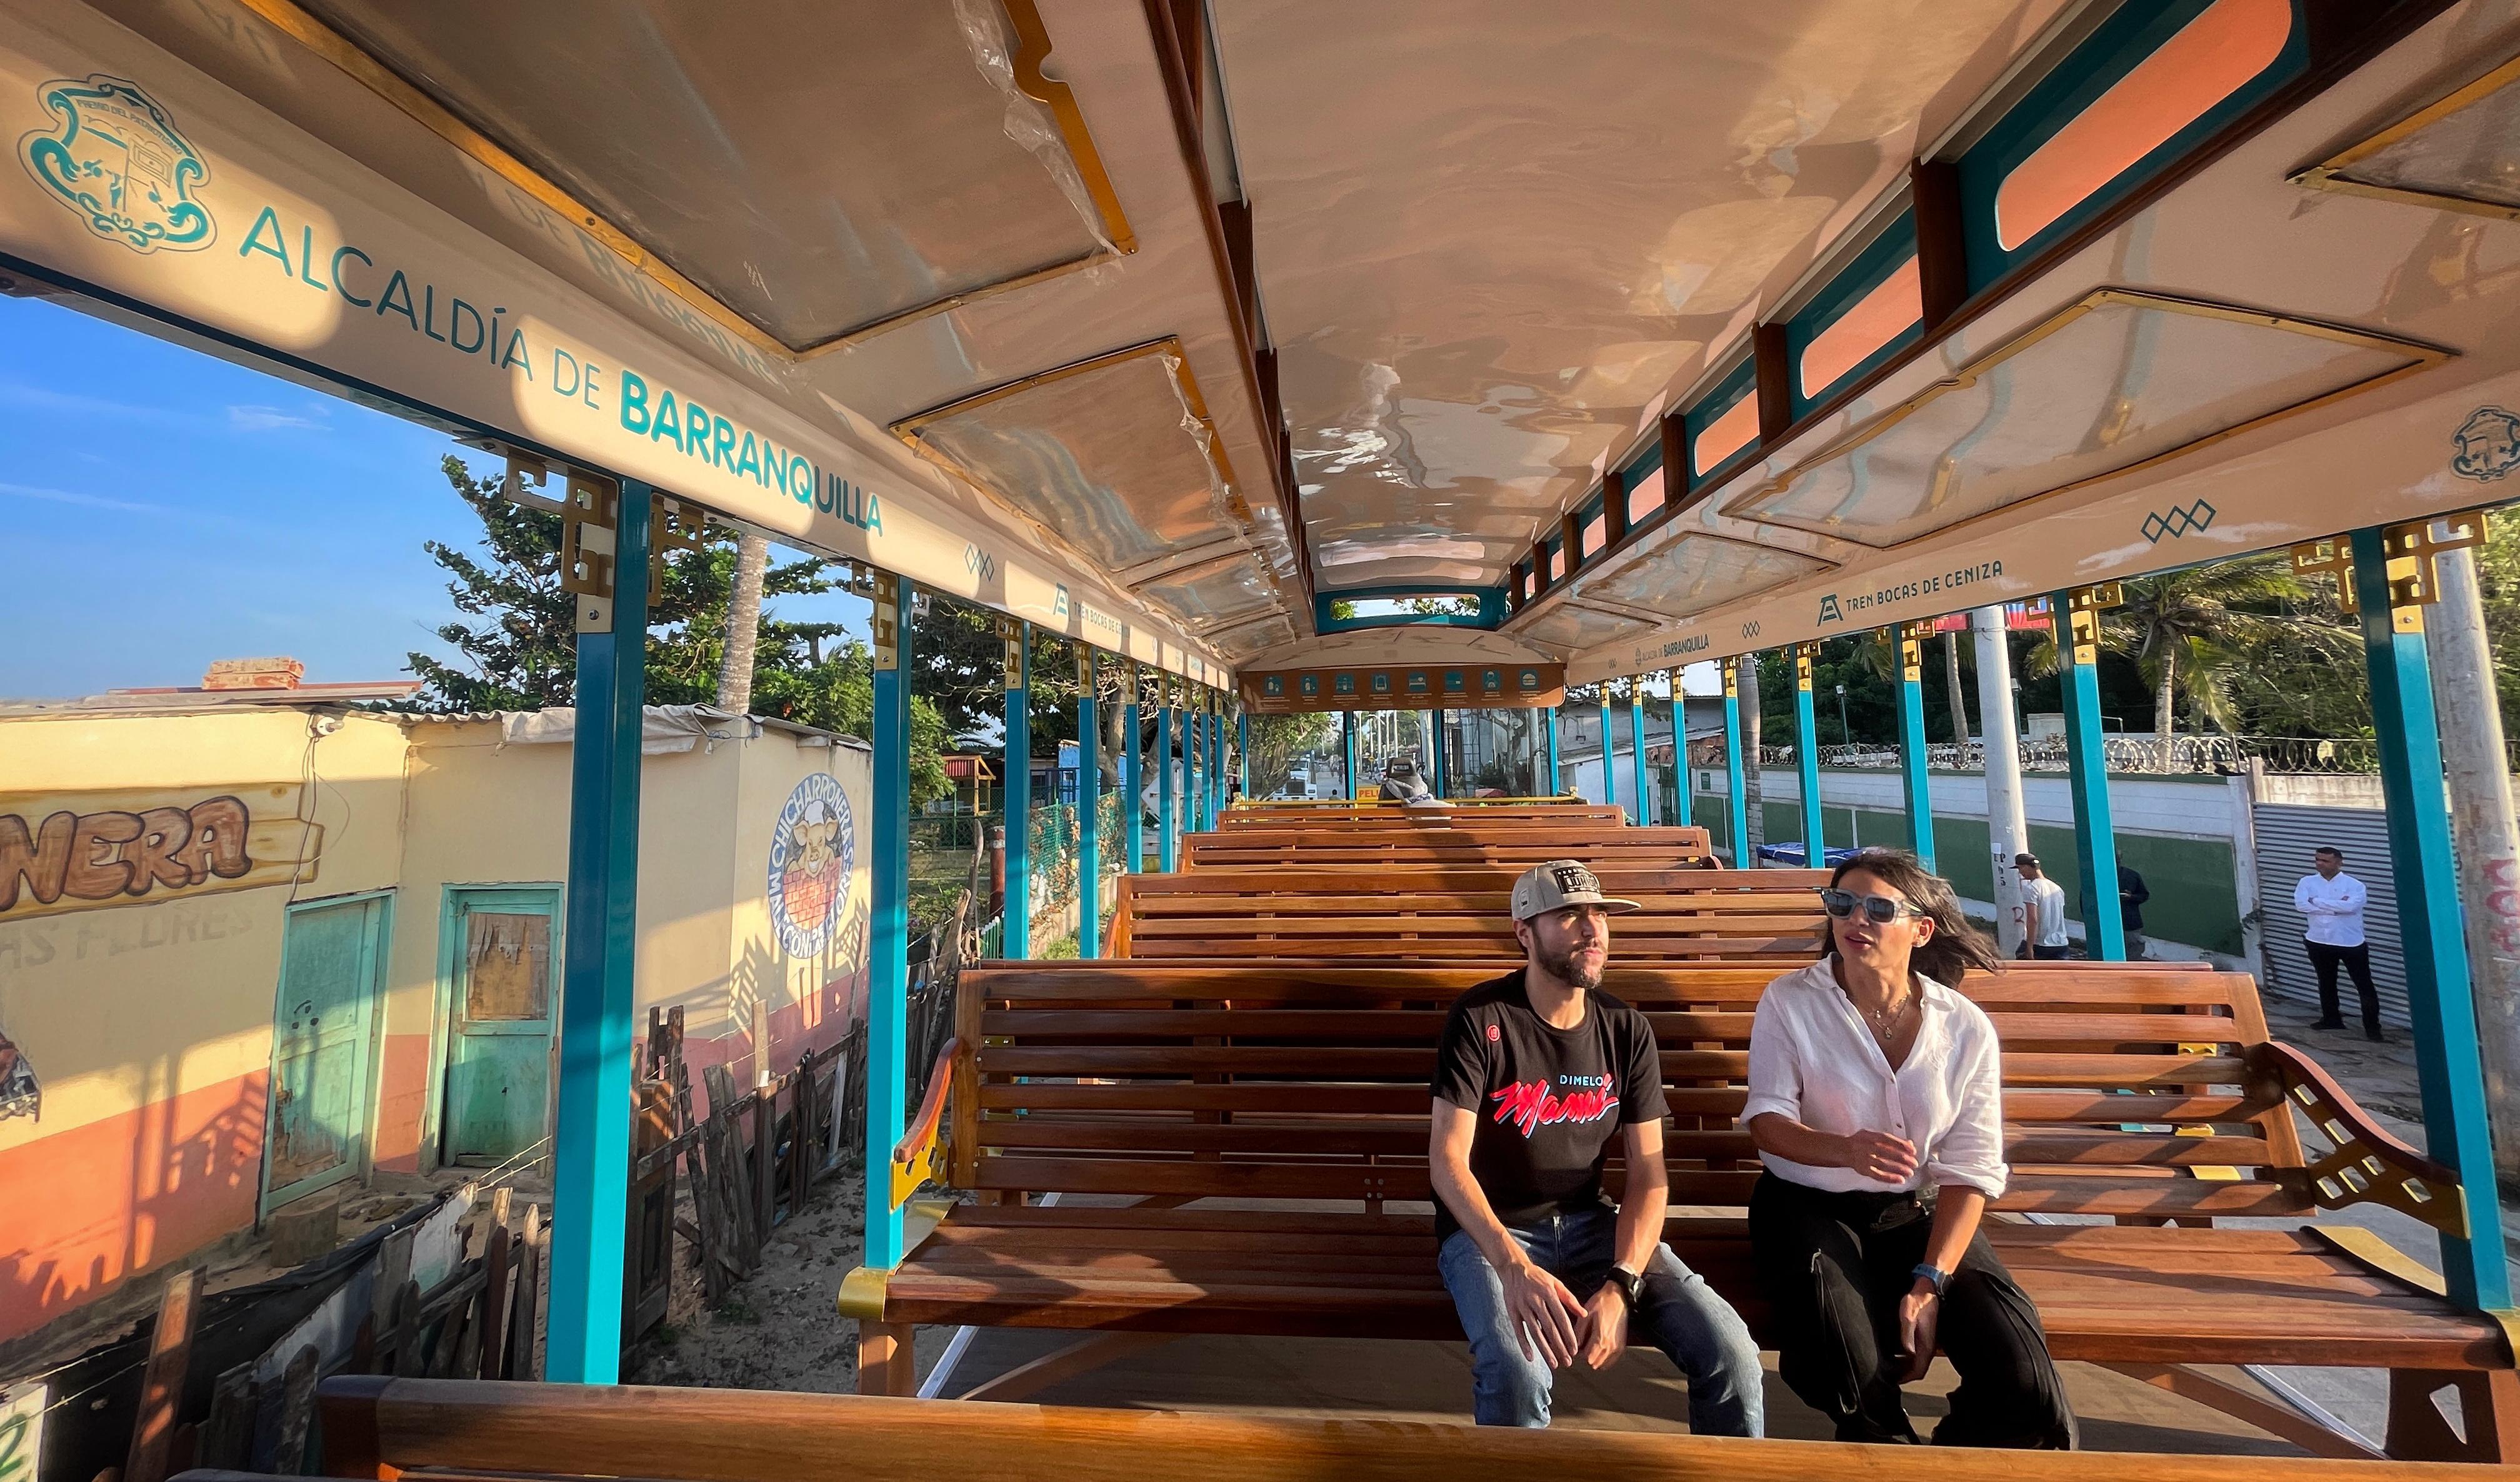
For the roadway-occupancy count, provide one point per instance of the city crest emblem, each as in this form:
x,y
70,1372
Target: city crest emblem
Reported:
x,y
114,158
2488,445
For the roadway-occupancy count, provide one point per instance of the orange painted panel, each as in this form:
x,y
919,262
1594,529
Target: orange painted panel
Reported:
x,y
1727,434
2210,59
125,1194
402,1101
1645,497
1598,533
1870,323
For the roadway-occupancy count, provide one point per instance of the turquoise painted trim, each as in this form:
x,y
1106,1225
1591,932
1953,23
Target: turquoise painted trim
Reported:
x,y
1646,463
1742,380
1243,750
2096,837
887,1057
1493,608
1557,778
1133,785
591,1135
1219,794
2112,50
1736,817
1807,763
1637,748
1016,790
1348,723
376,945
2458,1129
1088,816
1872,267
1915,786
1435,743
1609,773
1166,850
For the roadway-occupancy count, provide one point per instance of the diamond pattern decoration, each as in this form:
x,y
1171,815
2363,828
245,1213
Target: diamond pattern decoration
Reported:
x,y
2176,521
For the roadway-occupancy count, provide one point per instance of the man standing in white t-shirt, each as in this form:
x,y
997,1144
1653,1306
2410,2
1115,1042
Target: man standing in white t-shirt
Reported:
x,y
2042,910
2332,901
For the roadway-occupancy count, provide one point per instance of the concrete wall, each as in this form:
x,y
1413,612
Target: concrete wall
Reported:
x,y
150,1024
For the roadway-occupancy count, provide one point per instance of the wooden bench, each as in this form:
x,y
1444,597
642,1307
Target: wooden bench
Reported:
x,y
1599,846
1387,815
2140,1096
1454,914
450,1430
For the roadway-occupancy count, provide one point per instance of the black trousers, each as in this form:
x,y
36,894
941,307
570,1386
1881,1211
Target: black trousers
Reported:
x,y
2357,960
1834,1268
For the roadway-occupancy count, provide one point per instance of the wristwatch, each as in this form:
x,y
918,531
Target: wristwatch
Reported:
x,y
1629,1284
1933,1275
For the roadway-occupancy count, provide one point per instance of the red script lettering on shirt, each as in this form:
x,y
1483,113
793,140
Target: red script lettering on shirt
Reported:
x,y
1528,1105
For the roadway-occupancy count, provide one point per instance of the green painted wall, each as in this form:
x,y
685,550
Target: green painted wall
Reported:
x,y
2194,899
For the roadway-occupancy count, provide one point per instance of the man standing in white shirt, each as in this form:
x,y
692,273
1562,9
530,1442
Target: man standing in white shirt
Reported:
x,y
2332,901
2043,907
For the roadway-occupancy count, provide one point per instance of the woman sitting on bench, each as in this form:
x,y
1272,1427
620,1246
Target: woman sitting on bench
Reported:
x,y
1876,1104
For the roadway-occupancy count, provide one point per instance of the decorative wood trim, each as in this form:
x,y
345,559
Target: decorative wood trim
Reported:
x,y
1773,382
1942,254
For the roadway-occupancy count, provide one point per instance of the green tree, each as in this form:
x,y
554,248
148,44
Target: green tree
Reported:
x,y
2194,632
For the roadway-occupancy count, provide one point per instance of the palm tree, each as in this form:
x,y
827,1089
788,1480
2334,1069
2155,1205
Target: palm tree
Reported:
x,y
743,624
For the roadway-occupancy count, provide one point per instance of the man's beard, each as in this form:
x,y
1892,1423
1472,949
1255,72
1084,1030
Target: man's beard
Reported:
x,y
1564,967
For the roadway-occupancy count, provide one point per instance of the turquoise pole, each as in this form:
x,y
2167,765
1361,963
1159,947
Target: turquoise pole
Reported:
x,y
1133,778
888,915
1609,773
2086,765
591,1136
2439,993
1442,773
1916,784
1089,812
1807,759
1016,931
1347,720
1637,742
1167,837
1557,779
1737,796
1242,748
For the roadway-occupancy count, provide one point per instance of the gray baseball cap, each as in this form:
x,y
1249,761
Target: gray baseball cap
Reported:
x,y
1561,882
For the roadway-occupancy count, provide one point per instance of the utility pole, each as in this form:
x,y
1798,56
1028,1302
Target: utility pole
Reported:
x,y
2468,712
2007,831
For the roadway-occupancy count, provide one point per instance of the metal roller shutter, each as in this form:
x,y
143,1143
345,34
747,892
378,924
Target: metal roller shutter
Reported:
x,y
2286,836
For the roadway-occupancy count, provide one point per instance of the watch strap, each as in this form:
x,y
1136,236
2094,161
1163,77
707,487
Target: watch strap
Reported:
x,y
1631,1286
1934,1274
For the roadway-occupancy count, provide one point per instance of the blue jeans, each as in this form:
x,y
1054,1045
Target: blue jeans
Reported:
x,y
1681,1315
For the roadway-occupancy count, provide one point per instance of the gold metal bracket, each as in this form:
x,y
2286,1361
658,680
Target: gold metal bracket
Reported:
x,y
2081,619
589,528
673,524
2415,582
886,622
1804,653
1085,670
1011,629
1733,678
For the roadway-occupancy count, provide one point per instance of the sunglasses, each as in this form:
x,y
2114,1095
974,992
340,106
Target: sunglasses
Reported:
x,y
1881,909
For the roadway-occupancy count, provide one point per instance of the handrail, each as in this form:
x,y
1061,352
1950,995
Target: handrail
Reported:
x,y
914,1157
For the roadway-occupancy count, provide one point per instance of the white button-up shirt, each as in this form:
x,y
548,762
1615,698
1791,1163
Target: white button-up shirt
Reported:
x,y
1813,1060
2334,908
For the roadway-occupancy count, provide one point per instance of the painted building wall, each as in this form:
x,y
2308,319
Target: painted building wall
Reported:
x,y
151,1023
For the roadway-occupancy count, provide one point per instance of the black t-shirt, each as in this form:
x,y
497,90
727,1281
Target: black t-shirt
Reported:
x,y
1548,1100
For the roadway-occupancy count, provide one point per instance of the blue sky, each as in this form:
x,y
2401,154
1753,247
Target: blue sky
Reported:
x,y
160,508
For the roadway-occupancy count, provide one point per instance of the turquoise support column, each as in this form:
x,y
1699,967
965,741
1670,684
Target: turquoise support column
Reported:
x,y
1167,837
1089,812
1807,759
1190,823
1736,794
2077,617
1916,783
1133,777
1223,794
1206,791
1557,779
888,915
1242,748
1015,935
591,1137
1637,742
1440,769
2439,993
1609,773
1347,720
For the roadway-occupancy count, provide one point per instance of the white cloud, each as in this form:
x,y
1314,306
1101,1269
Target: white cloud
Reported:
x,y
253,419
84,501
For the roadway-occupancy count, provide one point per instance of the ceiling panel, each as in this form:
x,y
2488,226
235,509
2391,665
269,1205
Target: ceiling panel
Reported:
x,y
1567,627
708,134
2113,382
1696,571
1492,238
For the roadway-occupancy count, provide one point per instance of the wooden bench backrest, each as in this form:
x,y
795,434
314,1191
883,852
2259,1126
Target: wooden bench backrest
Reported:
x,y
1310,1082
1394,816
454,1429
1463,914
1534,844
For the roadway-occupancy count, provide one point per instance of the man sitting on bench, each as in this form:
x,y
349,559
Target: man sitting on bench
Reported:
x,y
1535,1071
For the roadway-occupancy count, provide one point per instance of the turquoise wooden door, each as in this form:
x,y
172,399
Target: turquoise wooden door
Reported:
x,y
503,980
323,1064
